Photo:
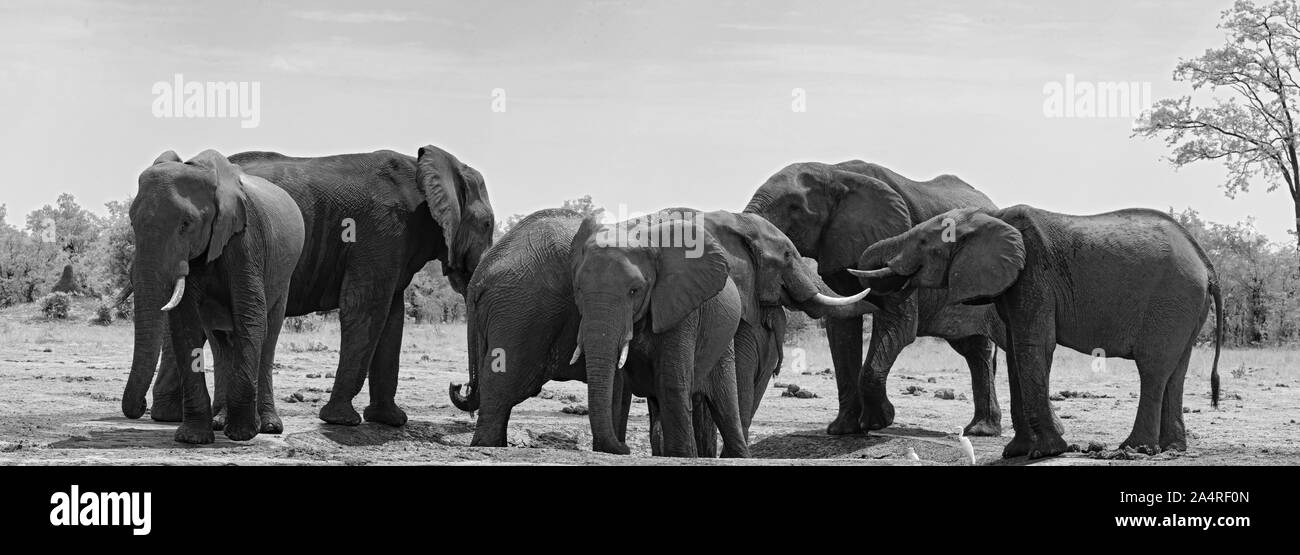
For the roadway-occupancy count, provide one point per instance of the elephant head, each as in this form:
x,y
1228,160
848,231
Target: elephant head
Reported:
x,y
972,254
831,211
622,283
781,277
458,201
183,215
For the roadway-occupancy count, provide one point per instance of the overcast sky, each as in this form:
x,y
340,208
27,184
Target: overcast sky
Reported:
x,y
644,104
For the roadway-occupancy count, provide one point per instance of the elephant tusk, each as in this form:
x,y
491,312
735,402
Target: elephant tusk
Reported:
x,y
873,274
622,356
576,353
842,301
177,293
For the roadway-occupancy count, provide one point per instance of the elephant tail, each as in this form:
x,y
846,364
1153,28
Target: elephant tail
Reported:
x,y
468,401
1218,340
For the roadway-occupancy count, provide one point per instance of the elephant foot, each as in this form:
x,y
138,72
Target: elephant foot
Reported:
x,y
133,410
271,423
844,424
1048,447
983,427
877,415
1173,445
242,429
385,413
340,412
166,410
194,433
1019,446
219,419
613,448
1141,445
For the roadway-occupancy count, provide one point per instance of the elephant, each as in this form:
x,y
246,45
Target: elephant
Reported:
x,y
832,212
662,289
225,243
1130,284
522,320
373,220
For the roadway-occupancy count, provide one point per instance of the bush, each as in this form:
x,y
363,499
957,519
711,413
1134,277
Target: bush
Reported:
x,y
125,310
55,306
103,315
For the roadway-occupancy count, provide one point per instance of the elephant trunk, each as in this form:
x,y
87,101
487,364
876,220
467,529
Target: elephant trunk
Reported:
x,y
149,316
602,344
469,401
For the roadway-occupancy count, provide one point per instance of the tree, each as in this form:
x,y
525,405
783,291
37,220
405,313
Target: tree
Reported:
x,y
584,206
114,249
75,228
1249,121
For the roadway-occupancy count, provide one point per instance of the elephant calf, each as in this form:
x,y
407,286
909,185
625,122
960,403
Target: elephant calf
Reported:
x,y
1131,284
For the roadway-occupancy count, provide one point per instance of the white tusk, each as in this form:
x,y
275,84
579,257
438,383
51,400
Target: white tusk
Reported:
x,y
576,353
842,301
622,356
873,274
177,293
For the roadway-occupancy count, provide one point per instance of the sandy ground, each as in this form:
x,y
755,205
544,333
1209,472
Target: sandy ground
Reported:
x,y
60,404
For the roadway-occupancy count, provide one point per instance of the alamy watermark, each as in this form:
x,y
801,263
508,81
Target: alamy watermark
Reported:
x,y
682,229
179,98
1095,99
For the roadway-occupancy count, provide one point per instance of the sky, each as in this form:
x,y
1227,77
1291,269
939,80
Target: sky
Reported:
x,y
643,104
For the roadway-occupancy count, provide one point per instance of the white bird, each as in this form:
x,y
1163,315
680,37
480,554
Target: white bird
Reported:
x,y
911,455
966,447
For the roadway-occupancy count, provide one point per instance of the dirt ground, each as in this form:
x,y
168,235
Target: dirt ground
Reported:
x,y
60,404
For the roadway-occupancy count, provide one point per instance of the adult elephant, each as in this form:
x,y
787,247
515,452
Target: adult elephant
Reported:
x,y
1130,284
234,239
372,221
523,322
832,212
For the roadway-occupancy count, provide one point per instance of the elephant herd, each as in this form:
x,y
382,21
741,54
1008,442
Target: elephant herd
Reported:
x,y
685,308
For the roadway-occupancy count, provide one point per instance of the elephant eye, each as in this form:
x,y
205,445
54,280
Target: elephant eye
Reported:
x,y
632,292
185,226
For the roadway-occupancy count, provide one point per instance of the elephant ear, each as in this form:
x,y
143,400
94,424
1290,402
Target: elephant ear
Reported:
x,y
686,275
169,156
437,175
229,200
989,257
866,210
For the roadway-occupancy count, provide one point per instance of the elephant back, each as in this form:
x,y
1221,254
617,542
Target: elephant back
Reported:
x,y
925,199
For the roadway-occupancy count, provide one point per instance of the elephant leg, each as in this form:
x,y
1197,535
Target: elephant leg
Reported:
x,y
267,416
1154,374
656,430
978,351
1032,341
674,380
362,316
724,406
383,370
891,331
845,338
222,347
706,432
747,373
248,297
1173,433
168,398
187,335
1023,439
